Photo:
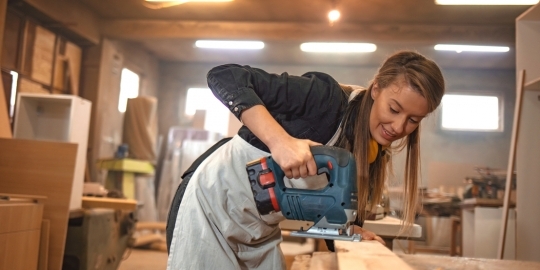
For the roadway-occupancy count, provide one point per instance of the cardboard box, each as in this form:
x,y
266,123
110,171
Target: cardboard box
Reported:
x,y
20,229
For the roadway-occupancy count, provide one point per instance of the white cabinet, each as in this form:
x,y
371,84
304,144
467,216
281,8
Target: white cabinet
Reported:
x,y
62,118
528,144
481,227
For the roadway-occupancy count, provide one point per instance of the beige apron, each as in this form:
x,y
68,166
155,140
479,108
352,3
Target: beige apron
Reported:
x,y
218,225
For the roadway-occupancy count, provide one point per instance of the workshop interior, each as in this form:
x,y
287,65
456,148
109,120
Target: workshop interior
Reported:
x,y
104,106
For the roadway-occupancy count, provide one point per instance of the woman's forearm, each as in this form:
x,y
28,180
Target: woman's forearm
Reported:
x,y
264,126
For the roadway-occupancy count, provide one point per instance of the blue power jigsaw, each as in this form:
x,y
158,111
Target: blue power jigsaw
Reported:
x,y
332,209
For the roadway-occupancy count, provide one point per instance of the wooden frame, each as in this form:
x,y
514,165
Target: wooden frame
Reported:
x,y
511,162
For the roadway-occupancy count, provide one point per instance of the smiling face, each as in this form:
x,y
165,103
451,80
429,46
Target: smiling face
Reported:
x,y
397,111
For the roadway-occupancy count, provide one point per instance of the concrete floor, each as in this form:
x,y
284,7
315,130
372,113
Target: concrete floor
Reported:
x,y
141,259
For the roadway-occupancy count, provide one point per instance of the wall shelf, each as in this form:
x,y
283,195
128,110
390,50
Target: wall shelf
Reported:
x,y
533,85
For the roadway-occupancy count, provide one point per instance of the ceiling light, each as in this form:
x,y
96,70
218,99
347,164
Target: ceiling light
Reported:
x,y
333,15
470,48
335,47
486,2
187,1
229,44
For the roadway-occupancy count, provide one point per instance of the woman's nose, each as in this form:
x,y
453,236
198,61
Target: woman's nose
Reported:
x,y
399,125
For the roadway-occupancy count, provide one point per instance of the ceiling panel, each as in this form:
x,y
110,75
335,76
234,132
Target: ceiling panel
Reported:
x,y
170,33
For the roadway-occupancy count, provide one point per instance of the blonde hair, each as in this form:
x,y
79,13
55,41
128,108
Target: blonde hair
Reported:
x,y
422,75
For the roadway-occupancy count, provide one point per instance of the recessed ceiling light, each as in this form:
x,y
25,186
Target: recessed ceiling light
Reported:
x,y
334,15
337,47
486,2
230,44
470,48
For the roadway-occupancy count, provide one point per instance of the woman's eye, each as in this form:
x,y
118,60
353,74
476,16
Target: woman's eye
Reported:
x,y
413,121
393,111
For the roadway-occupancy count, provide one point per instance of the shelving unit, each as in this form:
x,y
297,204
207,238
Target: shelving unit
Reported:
x,y
59,118
528,146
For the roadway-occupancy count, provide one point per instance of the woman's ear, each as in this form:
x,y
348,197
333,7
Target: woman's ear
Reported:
x,y
375,91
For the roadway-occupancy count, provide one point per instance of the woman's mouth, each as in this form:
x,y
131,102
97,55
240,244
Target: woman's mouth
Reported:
x,y
386,135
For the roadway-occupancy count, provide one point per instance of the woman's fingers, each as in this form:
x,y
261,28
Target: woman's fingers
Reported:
x,y
295,173
368,235
303,171
380,240
288,173
311,167
295,158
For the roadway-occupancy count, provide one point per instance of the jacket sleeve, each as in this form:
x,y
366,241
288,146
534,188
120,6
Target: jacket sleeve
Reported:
x,y
242,87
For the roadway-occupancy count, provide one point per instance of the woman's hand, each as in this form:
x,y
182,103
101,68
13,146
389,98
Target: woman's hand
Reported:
x,y
291,154
294,157
367,235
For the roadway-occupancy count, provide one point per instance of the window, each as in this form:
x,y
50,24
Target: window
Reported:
x,y
472,112
217,115
13,97
129,88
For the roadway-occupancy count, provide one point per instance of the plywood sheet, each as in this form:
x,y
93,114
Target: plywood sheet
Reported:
x,y
42,55
5,128
44,169
27,86
44,244
67,68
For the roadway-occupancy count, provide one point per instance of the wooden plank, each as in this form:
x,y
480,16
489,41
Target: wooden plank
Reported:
x,y
177,29
511,162
42,55
12,41
301,262
323,261
430,262
67,68
44,244
34,198
367,255
146,239
28,86
160,226
44,169
120,204
5,128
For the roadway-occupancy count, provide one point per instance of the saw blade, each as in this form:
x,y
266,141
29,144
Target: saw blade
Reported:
x,y
339,237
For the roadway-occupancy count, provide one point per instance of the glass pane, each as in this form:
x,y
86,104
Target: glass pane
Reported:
x,y
467,112
129,88
217,115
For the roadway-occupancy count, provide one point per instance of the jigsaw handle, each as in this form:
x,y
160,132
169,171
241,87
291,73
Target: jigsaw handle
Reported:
x,y
329,202
321,154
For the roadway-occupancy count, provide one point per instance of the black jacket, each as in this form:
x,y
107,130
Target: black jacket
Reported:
x,y
310,106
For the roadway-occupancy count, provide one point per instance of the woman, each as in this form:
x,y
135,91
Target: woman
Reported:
x,y
217,224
